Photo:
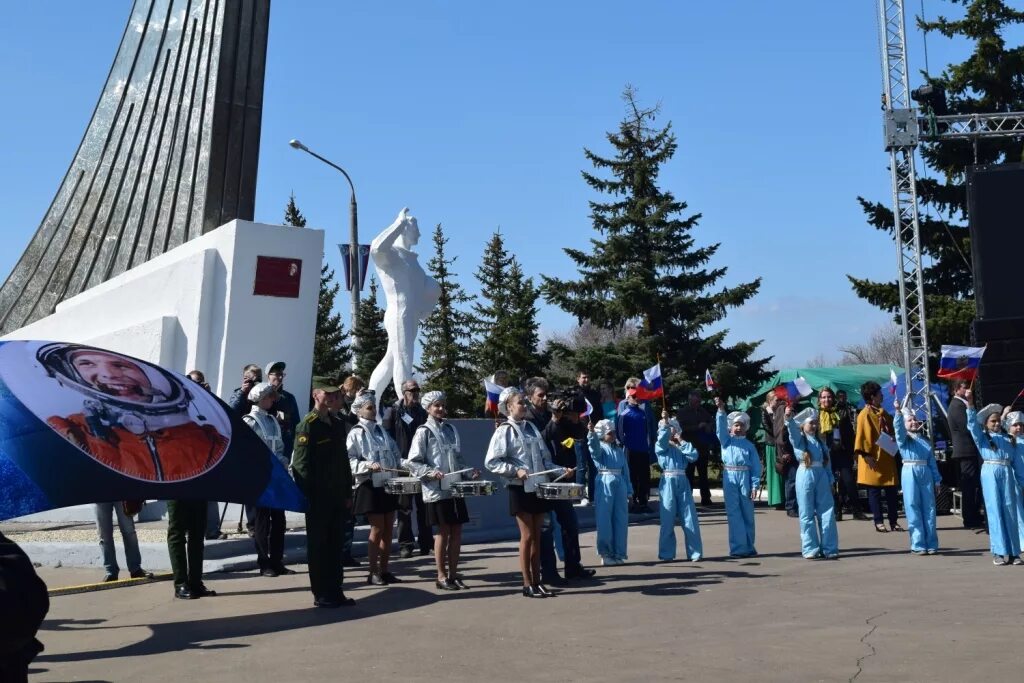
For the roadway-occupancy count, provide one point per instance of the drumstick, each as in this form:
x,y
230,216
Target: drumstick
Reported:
x,y
537,474
559,476
391,469
468,469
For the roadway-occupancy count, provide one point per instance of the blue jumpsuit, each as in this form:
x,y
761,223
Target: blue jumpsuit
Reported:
x,y
741,468
919,478
613,491
818,534
1017,457
676,496
998,487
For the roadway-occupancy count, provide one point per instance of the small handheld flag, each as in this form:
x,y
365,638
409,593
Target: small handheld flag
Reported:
x,y
960,362
650,385
709,381
589,410
794,389
894,380
493,391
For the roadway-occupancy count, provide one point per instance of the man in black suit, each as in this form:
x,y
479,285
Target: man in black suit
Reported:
x,y
965,453
401,421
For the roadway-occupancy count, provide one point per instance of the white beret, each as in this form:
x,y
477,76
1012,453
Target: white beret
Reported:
x,y
365,398
1016,417
260,392
991,408
739,416
432,397
604,427
504,396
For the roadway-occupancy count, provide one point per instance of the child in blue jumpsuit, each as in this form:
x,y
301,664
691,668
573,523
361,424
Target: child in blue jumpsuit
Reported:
x,y
814,479
997,481
741,471
613,492
675,492
920,479
1014,425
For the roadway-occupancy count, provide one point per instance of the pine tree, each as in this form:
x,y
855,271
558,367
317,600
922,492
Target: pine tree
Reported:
x,y
331,355
292,215
504,316
988,81
371,337
446,337
646,268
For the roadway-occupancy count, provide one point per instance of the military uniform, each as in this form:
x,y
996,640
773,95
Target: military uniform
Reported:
x,y
186,531
322,472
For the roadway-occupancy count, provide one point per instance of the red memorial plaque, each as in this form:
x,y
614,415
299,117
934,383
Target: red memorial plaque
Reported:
x,y
276,276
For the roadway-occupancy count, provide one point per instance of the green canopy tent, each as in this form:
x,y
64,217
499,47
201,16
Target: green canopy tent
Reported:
x,y
845,377
848,378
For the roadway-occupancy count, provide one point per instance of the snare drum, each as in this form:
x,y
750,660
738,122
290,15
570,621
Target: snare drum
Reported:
x,y
398,486
480,487
561,491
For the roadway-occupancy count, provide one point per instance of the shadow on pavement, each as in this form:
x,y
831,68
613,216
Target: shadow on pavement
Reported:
x,y
203,634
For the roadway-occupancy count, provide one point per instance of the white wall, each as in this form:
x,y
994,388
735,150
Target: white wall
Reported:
x,y
193,308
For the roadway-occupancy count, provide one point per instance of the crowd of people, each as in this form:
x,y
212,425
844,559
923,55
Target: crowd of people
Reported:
x,y
815,460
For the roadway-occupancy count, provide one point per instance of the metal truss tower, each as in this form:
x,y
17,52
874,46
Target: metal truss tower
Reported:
x,y
904,128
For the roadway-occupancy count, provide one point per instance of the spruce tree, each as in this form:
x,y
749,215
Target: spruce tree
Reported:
x,y
522,327
504,316
371,337
646,267
988,81
331,355
444,361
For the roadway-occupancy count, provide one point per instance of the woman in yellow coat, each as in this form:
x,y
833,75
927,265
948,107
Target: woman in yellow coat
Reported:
x,y
876,469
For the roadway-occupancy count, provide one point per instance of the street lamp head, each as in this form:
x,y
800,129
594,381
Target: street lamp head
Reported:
x,y
298,145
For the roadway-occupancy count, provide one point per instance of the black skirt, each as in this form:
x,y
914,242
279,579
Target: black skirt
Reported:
x,y
373,500
448,511
521,501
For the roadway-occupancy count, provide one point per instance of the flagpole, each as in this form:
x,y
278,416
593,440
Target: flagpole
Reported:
x,y
664,388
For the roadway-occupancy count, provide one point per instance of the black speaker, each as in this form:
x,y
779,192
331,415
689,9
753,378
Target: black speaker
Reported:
x,y
995,210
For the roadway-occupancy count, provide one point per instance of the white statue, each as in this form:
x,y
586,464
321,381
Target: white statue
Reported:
x,y
410,296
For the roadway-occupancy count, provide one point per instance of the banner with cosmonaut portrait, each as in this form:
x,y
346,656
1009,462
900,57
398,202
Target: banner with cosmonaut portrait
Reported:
x,y
80,424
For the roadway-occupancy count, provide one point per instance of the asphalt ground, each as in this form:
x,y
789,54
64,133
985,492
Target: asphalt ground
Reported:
x,y
877,614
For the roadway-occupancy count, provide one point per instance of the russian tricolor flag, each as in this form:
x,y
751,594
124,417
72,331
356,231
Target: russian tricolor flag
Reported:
x,y
960,362
588,411
650,386
493,391
709,381
794,390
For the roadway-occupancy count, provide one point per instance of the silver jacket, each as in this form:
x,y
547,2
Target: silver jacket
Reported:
x,y
266,427
435,448
368,443
518,445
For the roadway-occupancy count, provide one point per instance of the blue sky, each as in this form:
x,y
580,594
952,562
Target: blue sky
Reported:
x,y
475,115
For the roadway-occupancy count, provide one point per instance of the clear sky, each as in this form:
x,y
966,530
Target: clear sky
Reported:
x,y
475,115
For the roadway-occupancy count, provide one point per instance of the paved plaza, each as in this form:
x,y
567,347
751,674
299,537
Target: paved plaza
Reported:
x,y
878,614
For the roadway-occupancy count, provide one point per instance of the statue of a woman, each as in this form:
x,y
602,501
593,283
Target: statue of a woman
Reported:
x,y
410,296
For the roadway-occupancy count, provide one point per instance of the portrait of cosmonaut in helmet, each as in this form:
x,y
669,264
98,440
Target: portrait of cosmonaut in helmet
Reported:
x,y
131,416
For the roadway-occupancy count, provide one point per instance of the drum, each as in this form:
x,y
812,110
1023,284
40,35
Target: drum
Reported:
x,y
480,487
398,486
561,491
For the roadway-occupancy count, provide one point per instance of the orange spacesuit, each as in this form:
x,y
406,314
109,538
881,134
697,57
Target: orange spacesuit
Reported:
x,y
169,454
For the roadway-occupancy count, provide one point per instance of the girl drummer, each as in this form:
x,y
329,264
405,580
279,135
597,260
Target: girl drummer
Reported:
x,y
517,452
373,455
435,456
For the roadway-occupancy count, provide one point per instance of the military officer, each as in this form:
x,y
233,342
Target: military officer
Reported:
x,y
322,472
186,531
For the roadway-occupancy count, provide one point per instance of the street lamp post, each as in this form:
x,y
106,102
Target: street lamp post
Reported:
x,y
353,252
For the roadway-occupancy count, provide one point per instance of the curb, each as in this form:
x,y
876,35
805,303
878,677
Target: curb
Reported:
x,y
107,585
